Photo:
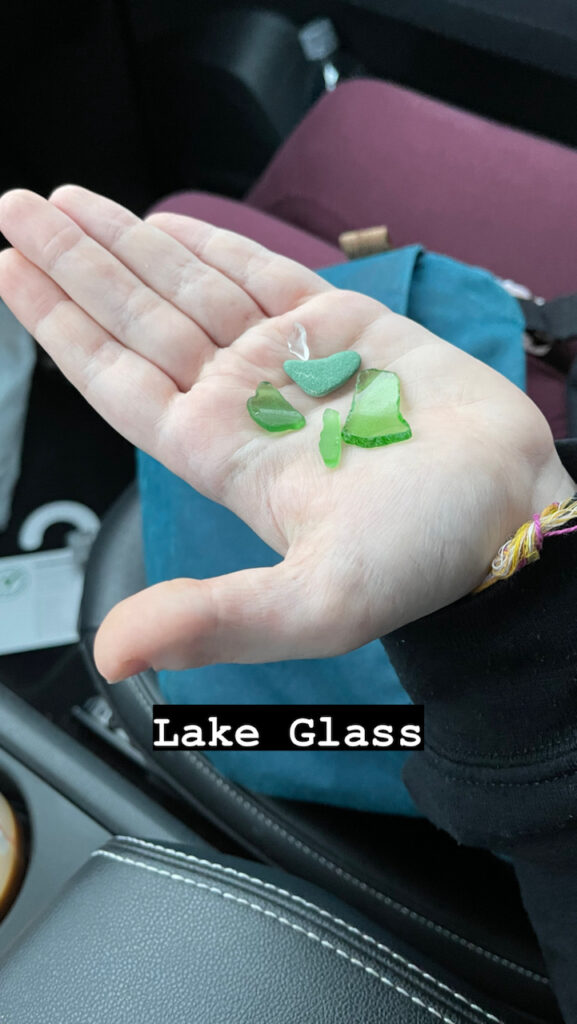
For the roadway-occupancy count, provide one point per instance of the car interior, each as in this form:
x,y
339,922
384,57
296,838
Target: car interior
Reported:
x,y
140,884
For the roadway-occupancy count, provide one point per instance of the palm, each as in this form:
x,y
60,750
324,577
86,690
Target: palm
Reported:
x,y
167,327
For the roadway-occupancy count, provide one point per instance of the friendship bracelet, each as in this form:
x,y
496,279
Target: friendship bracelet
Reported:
x,y
525,546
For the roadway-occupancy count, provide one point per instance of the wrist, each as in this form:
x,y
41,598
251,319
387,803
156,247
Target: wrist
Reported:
x,y
514,647
548,506
552,484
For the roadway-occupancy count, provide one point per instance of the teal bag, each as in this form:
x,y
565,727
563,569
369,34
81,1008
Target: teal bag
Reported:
x,y
188,535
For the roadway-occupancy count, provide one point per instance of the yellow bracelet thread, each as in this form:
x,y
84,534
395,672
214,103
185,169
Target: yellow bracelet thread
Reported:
x,y
525,545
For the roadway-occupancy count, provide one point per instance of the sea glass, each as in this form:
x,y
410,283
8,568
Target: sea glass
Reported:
x,y
318,377
271,410
297,342
374,418
330,442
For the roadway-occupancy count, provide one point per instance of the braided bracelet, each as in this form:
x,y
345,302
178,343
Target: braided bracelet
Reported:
x,y
525,545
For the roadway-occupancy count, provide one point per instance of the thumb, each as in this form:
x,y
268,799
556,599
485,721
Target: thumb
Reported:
x,y
257,615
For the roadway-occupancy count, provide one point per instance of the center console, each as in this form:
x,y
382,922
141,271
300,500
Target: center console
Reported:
x,y
59,803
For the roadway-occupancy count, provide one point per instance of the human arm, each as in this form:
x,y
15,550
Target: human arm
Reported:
x,y
167,326
497,673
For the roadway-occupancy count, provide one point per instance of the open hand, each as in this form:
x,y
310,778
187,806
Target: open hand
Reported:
x,y
167,326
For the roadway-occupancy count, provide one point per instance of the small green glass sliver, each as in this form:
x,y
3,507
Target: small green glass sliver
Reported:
x,y
272,412
374,418
330,443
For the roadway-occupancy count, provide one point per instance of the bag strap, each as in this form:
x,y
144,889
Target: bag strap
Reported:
x,y
547,324
551,321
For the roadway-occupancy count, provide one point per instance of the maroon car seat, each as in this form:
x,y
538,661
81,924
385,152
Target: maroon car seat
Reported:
x,y
375,153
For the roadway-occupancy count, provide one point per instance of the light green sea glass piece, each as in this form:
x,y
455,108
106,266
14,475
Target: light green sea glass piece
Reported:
x,y
271,411
318,377
330,442
374,418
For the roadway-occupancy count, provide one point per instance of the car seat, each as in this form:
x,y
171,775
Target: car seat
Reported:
x,y
373,153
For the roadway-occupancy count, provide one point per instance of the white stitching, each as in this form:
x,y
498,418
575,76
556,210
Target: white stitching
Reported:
x,y
311,906
281,920
207,769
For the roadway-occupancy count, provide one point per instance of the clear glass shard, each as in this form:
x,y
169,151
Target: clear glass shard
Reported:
x,y
297,342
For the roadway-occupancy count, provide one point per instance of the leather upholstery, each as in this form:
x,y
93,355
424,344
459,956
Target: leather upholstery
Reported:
x,y
148,933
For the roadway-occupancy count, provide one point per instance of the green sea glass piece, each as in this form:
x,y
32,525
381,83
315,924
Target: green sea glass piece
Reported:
x,y
271,411
330,442
319,377
374,418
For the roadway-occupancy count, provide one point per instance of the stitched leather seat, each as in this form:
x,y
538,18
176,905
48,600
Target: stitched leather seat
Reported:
x,y
166,936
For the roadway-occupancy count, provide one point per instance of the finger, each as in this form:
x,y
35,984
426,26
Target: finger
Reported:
x,y
274,282
257,615
132,394
102,286
334,318
216,304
